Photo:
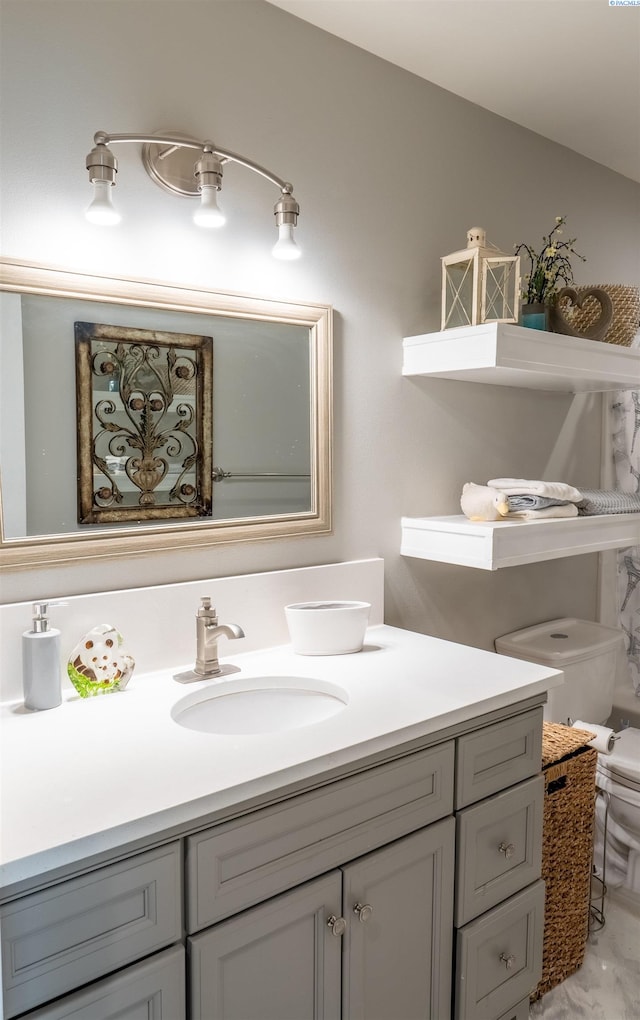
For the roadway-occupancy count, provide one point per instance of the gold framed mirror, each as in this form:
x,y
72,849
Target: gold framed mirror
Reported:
x,y
266,426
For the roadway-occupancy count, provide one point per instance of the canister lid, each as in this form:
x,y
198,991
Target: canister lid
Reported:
x,y
559,642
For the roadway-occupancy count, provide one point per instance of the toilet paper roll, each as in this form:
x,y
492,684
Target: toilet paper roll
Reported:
x,y
604,740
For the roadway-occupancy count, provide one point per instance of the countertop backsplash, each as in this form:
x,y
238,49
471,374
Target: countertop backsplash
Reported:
x,y
158,623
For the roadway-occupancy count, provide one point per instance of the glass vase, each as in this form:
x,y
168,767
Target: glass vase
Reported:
x,y
534,315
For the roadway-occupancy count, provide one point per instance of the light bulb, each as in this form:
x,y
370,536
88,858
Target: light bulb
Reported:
x,y
208,213
101,209
286,247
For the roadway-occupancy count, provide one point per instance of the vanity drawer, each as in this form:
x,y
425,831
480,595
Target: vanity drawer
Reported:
x,y
518,1012
499,956
499,848
498,756
74,932
154,989
245,861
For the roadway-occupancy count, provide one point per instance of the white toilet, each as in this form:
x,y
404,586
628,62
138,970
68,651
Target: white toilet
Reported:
x,y
590,655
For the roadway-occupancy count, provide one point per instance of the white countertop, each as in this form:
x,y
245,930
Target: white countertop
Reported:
x,y
98,773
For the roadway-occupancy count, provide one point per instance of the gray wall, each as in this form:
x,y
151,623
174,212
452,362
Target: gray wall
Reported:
x,y
390,172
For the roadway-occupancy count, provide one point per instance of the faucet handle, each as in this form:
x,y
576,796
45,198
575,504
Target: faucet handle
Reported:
x,y
206,610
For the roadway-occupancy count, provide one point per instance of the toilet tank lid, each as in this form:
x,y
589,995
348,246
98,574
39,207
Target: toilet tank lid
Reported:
x,y
560,642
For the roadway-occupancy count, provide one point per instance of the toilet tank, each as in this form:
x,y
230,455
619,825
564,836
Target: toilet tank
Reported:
x,y
586,652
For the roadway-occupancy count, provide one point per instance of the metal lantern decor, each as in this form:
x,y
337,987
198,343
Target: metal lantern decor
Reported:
x,y
479,284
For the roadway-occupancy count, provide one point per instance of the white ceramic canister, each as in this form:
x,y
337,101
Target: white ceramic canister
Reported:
x,y
327,628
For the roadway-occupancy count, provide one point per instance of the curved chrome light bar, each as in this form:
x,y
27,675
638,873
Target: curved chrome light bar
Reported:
x,y
163,159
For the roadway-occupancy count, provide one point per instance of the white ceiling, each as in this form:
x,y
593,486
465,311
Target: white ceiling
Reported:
x,y
567,69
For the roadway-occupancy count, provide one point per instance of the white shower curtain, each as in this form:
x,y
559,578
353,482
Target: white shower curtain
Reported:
x,y
625,418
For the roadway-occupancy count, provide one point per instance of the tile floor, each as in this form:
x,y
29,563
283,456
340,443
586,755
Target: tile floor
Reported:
x,y
607,986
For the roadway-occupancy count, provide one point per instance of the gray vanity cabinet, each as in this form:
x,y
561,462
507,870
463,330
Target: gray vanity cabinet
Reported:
x,y
499,912
398,891
369,941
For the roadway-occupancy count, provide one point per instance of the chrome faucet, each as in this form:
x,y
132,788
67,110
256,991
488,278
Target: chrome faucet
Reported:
x,y
208,630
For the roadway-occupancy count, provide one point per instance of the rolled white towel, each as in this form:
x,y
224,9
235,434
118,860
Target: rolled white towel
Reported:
x,y
520,486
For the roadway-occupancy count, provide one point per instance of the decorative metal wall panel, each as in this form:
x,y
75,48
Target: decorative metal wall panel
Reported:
x,y
144,410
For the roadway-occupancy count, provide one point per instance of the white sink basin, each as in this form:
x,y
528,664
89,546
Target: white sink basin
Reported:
x,y
267,704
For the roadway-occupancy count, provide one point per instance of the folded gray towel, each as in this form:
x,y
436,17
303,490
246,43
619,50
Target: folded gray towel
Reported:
x,y
525,501
608,501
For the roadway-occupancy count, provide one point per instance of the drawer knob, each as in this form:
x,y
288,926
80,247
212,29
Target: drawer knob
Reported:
x,y
508,849
364,911
337,925
508,960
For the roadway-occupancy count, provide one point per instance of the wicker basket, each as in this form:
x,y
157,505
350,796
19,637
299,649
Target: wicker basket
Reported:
x,y
567,848
626,312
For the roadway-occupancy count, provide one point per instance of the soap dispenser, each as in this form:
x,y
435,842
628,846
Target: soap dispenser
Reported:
x,y
41,674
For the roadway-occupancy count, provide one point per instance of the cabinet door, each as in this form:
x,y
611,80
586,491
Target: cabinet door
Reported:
x,y
277,961
398,949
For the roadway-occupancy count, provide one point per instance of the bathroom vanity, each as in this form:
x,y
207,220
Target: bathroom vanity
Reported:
x,y
383,863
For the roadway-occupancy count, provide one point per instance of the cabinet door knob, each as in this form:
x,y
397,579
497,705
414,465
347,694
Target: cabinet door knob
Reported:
x,y
364,911
337,925
508,960
508,849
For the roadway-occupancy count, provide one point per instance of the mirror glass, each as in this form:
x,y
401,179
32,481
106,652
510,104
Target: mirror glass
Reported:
x,y
136,416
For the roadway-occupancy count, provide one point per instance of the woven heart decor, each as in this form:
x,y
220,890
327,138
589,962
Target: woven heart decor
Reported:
x,y
569,302
583,316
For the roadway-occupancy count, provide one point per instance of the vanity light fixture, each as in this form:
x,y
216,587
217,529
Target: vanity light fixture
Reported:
x,y
168,159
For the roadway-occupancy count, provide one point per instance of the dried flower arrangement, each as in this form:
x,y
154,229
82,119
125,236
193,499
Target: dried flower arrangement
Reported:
x,y
550,269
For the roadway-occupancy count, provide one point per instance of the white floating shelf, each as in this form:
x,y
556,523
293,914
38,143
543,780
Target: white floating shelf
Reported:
x,y
490,545
510,355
